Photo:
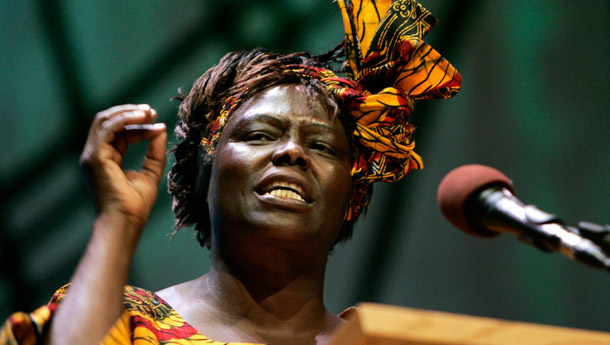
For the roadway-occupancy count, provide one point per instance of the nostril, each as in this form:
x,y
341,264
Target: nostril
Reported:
x,y
291,153
302,161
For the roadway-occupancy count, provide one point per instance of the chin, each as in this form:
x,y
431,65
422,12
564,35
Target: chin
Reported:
x,y
312,235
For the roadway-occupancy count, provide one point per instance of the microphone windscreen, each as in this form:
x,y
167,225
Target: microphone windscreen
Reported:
x,y
459,185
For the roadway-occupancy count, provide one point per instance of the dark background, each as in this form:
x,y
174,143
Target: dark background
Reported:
x,y
534,104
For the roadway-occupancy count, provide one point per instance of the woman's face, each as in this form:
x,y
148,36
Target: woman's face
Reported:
x,y
281,172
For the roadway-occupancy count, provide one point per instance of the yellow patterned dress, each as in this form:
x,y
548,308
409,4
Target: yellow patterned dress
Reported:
x,y
147,320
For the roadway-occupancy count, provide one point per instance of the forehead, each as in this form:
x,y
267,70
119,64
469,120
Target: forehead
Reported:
x,y
289,101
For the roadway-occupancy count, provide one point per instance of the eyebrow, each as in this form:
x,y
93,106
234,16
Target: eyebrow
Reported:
x,y
262,117
324,126
278,122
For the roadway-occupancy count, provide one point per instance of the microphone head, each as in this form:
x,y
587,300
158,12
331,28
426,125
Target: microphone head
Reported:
x,y
459,185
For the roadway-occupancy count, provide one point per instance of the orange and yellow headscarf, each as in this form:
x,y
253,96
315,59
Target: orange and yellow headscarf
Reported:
x,y
388,68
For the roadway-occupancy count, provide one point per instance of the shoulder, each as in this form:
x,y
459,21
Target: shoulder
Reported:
x,y
179,296
150,317
135,297
136,300
142,301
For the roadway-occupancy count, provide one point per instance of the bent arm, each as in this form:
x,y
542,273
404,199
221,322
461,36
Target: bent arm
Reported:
x,y
123,202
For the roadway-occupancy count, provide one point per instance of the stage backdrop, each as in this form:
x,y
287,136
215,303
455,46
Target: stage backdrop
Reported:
x,y
534,104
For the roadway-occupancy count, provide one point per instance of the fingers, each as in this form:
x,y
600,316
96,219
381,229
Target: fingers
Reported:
x,y
154,162
114,120
148,127
110,135
117,127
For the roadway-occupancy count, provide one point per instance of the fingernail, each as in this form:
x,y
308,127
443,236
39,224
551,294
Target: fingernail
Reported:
x,y
156,126
145,127
135,113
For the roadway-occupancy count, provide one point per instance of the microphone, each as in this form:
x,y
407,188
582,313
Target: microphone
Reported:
x,y
480,201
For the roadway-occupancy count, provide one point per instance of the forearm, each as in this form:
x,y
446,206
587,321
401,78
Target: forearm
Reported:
x,y
94,300
123,200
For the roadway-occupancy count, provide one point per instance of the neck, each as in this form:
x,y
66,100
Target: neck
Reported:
x,y
272,278
271,294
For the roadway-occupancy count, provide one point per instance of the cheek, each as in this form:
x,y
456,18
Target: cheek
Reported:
x,y
233,178
337,185
237,168
338,189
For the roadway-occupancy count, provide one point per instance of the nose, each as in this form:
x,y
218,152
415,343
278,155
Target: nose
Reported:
x,y
291,153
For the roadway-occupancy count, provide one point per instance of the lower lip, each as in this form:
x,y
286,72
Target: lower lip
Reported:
x,y
285,203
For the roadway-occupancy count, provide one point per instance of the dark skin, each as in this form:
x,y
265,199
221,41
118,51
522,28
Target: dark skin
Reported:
x,y
123,201
279,189
278,193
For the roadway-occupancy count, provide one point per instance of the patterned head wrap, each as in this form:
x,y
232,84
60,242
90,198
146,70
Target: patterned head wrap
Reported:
x,y
388,68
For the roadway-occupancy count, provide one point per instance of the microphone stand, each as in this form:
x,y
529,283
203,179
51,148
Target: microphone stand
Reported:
x,y
599,235
501,211
589,243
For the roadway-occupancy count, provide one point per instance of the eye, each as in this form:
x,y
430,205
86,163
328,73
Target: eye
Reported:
x,y
259,137
323,147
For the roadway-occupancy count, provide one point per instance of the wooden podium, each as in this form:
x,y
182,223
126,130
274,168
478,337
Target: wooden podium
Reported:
x,y
376,324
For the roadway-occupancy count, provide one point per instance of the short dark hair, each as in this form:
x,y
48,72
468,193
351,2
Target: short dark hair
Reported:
x,y
243,73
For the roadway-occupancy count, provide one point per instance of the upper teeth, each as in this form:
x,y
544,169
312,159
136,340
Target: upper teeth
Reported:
x,y
287,190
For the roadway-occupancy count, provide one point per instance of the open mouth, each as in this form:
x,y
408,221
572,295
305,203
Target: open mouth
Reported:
x,y
285,190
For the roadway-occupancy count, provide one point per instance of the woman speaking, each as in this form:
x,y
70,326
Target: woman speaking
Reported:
x,y
275,164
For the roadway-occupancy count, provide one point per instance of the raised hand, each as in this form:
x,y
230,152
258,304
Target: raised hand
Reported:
x,y
123,201
124,194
